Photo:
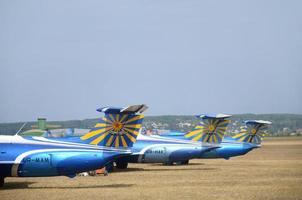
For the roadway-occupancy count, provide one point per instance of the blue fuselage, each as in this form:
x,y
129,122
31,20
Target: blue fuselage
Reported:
x,y
38,156
154,149
228,147
150,149
25,157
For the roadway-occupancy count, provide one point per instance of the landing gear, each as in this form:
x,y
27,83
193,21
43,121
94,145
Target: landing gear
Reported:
x,y
185,162
168,163
109,167
121,164
1,181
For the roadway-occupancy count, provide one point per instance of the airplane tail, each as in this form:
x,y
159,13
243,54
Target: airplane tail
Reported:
x,y
118,128
253,132
210,129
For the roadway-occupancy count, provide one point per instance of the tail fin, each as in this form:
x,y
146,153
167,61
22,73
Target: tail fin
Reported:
x,y
118,128
253,131
210,129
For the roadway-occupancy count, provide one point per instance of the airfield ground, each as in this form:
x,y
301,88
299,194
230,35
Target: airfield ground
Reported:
x,y
272,172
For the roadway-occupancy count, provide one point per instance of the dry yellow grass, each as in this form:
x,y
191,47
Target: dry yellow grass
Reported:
x,y
272,172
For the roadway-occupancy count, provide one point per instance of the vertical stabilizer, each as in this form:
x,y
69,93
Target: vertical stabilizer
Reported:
x,y
118,128
253,132
211,128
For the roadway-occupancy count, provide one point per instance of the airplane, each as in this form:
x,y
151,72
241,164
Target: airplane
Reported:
x,y
249,138
109,140
43,157
146,149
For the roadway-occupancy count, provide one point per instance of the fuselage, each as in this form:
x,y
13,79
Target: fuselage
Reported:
x,y
147,149
37,156
228,147
154,149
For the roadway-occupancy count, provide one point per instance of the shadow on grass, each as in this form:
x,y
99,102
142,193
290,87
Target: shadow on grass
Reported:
x,y
181,169
26,185
162,169
192,164
16,185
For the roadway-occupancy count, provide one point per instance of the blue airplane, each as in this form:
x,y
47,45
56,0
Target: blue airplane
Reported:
x,y
111,139
248,139
147,149
42,157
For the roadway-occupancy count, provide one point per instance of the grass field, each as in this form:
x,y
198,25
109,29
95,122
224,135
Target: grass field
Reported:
x,y
271,172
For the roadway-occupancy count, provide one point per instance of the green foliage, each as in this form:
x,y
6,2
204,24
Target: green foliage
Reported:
x,y
282,123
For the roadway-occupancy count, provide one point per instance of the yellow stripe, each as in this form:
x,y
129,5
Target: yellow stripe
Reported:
x,y
249,137
124,142
220,135
133,126
117,117
239,135
243,138
99,139
130,137
107,120
197,137
123,118
108,143
208,137
94,133
101,125
224,122
134,118
117,142
215,138
205,122
192,133
221,128
111,117
212,138
219,131
131,131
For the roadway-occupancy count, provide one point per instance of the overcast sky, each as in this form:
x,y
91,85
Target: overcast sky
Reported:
x,y
63,59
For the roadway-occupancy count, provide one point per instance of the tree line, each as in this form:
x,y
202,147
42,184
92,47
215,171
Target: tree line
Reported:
x,y
283,124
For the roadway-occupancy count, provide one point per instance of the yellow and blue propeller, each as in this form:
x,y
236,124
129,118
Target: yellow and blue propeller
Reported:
x,y
118,128
210,129
253,132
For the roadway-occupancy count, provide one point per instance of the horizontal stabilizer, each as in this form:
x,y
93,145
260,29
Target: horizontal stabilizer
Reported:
x,y
258,122
129,109
213,116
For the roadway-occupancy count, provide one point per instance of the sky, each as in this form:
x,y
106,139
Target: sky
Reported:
x,y
64,59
